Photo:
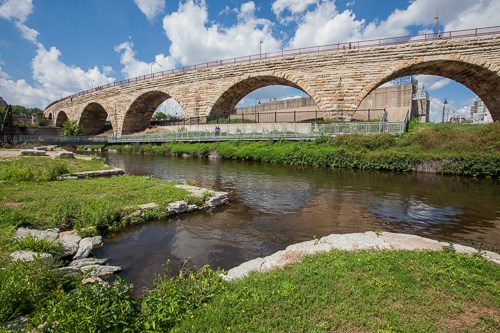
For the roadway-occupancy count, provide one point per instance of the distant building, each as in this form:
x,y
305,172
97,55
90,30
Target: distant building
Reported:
x,y
479,112
402,98
3,103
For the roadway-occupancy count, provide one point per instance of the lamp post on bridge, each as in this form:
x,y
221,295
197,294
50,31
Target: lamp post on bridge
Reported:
x,y
260,48
255,108
152,67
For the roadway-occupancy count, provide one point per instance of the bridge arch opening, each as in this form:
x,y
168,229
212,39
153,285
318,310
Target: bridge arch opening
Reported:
x,y
140,113
481,81
93,119
61,118
49,117
259,94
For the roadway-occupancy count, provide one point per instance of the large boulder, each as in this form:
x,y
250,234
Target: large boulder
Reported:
x,y
86,245
177,207
70,244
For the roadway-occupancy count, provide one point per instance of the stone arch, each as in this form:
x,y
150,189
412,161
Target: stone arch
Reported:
x,y
49,118
61,118
93,119
138,116
477,74
227,100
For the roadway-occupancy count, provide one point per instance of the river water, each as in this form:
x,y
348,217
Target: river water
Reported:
x,y
273,206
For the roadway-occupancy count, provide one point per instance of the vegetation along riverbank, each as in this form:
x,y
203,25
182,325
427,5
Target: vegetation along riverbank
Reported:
x,y
458,149
362,291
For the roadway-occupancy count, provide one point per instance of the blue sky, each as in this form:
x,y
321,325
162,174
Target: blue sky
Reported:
x,y
53,48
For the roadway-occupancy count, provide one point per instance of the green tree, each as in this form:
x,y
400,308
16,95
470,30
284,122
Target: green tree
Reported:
x,y
71,128
160,116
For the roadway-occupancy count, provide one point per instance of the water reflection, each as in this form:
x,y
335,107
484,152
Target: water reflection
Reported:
x,y
274,206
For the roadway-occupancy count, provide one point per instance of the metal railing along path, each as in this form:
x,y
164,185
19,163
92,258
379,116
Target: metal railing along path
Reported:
x,y
315,131
302,51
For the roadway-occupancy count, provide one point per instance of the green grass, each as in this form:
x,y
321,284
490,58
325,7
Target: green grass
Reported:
x,y
43,169
472,150
386,291
365,291
98,202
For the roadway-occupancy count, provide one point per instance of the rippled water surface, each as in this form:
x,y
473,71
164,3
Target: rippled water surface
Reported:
x,y
273,206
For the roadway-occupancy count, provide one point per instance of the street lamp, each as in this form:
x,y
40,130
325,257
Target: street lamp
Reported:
x,y
260,48
257,99
445,103
152,68
92,83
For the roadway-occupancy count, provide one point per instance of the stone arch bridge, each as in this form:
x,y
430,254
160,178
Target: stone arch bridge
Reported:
x,y
337,77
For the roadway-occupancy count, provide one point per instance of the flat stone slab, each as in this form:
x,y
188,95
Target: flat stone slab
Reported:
x,y
33,152
349,242
79,263
101,271
216,199
93,174
48,235
65,154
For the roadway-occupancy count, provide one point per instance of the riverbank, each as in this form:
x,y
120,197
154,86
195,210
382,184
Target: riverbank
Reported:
x,y
457,149
37,194
361,291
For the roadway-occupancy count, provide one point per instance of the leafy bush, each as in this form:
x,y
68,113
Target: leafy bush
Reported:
x,y
172,300
71,128
23,285
89,308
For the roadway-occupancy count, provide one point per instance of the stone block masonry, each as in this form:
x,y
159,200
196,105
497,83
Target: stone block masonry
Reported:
x,y
336,80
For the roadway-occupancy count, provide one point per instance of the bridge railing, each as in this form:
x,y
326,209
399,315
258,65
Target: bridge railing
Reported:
x,y
301,51
61,140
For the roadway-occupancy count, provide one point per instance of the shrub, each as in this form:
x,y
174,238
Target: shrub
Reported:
x,y
22,285
171,300
89,308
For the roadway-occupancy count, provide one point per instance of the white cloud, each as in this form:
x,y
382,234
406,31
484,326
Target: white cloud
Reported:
x,y
432,82
325,25
194,40
52,79
27,32
133,67
292,6
484,13
16,10
151,8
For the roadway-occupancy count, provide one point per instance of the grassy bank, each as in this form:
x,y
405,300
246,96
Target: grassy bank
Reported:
x,y
387,291
31,197
458,149
336,291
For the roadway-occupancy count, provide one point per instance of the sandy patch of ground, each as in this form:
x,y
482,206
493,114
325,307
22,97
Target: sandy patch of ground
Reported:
x,y
13,153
